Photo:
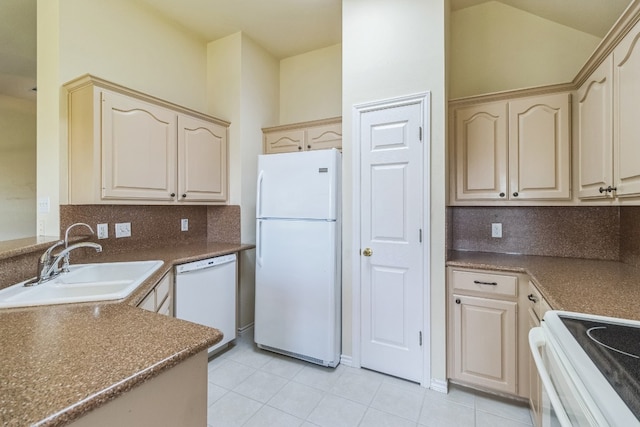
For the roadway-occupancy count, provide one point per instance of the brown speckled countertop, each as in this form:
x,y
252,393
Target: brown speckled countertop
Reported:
x,y
606,288
58,362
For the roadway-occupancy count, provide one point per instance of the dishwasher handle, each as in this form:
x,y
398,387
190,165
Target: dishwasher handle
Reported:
x,y
206,263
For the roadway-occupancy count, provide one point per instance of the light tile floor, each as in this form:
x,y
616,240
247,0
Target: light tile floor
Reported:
x,y
253,387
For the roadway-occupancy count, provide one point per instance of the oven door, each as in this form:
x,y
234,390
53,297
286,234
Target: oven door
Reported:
x,y
563,403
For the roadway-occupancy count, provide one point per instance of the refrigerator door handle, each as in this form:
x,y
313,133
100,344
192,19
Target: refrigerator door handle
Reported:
x,y
259,191
259,243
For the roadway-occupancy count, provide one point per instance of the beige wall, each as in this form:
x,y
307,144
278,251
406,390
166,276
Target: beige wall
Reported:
x,y
311,85
117,40
17,168
392,49
243,82
495,47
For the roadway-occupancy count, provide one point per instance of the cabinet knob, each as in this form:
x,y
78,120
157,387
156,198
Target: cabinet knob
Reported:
x,y
184,196
502,194
173,194
309,147
299,147
457,300
515,194
532,298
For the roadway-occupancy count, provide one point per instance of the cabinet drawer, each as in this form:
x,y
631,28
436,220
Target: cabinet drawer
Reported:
x,y
149,303
485,283
163,288
535,299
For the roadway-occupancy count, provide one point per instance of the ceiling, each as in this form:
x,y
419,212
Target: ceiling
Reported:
x,y
283,27
595,17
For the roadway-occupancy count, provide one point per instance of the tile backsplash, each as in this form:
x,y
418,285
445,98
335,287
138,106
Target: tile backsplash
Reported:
x,y
565,231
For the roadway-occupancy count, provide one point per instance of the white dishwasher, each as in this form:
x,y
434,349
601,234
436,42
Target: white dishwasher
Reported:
x,y
206,294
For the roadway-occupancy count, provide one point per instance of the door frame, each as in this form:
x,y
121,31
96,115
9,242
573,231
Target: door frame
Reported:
x,y
424,100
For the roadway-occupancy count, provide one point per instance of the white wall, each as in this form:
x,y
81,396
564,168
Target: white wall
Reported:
x,y
118,40
390,49
496,47
243,87
17,168
311,85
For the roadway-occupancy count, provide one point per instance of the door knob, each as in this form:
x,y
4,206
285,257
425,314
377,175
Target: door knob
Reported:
x,y
367,252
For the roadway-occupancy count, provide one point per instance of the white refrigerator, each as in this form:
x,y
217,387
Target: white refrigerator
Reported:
x,y
298,267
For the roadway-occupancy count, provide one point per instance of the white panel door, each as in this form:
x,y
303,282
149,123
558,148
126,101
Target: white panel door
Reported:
x,y
299,185
391,248
297,301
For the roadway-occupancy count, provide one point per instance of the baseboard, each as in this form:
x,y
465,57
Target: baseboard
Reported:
x,y
441,386
245,328
346,360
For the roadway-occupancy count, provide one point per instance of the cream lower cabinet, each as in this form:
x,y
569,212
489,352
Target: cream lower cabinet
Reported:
x,y
512,150
304,136
160,299
129,148
485,333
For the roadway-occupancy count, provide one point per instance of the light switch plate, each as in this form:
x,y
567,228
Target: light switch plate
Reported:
x,y
123,229
496,230
44,205
184,224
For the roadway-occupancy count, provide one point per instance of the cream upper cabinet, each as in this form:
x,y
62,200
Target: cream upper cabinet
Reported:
x,y
138,149
481,152
304,136
202,160
513,150
539,148
626,115
126,147
594,116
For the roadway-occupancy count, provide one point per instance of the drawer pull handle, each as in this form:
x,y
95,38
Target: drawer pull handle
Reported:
x,y
532,298
479,282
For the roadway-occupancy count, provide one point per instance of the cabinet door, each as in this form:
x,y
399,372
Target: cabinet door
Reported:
x,y
202,161
324,137
138,149
481,152
286,141
594,132
626,117
539,147
484,342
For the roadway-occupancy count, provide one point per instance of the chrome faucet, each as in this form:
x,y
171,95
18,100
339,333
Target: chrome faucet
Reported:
x,y
48,269
65,264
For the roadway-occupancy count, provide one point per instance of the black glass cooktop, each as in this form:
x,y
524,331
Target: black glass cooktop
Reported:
x,y
615,350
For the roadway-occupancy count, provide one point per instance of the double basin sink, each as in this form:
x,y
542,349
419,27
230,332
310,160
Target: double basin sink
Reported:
x,y
83,283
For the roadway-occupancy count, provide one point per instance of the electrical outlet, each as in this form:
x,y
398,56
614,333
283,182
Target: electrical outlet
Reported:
x,y
103,231
44,205
184,224
42,227
123,229
496,230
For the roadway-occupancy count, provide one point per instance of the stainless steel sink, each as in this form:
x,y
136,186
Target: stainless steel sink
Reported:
x,y
83,283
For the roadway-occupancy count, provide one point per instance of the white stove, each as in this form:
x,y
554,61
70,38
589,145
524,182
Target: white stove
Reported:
x,y
590,369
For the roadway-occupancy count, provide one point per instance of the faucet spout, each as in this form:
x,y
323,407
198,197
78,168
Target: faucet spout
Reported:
x,y
50,268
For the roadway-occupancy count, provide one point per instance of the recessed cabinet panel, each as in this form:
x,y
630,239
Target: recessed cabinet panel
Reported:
x,y
626,118
539,164
284,142
132,131
594,132
202,160
485,342
481,152
325,137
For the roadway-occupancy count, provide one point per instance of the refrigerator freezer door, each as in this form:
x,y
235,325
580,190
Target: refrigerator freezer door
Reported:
x,y
299,185
298,289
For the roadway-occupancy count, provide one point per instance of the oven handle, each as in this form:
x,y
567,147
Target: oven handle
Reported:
x,y
537,340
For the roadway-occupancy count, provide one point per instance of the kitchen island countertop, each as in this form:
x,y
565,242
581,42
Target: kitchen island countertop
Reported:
x,y
58,362
606,288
